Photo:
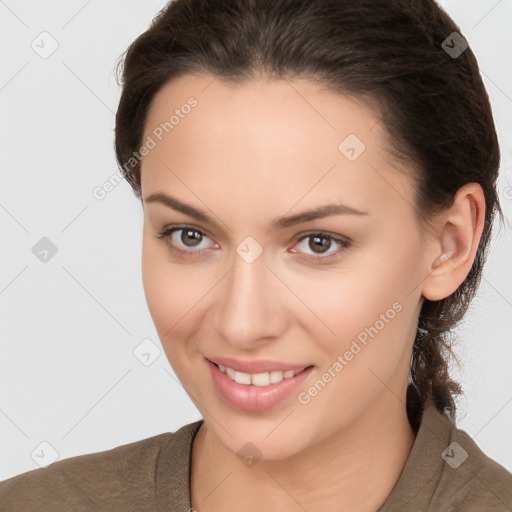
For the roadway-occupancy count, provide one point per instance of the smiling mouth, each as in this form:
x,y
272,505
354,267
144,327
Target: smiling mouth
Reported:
x,y
258,379
256,392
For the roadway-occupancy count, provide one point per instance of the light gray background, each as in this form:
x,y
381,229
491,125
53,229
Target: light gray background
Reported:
x,y
69,326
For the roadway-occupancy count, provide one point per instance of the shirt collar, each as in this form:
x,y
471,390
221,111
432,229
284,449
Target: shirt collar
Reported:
x,y
410,492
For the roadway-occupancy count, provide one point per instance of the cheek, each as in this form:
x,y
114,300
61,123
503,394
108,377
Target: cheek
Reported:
x,y
175,293
370,326
155,280
365,308
165,295
340,303
354,311
164,287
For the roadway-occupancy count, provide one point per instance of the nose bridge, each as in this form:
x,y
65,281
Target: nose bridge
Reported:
x,y
248,308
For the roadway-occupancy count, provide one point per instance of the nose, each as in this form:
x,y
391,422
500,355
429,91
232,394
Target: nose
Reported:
x,y
250,308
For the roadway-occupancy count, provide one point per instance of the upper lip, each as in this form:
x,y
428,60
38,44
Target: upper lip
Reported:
x,y
261,366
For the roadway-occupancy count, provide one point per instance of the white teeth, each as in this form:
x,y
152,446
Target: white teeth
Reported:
x,y
242,378
260,379
276,377
257,379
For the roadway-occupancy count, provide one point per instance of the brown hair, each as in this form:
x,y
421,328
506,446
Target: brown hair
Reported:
x,y
434,108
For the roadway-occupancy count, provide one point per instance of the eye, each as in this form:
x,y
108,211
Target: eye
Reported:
x,y
186,241
190,238
320,243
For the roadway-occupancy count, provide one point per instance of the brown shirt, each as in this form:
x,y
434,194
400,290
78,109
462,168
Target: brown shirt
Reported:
x,y
445,472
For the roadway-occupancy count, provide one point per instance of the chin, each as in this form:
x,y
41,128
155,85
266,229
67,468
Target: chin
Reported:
x,y
263,439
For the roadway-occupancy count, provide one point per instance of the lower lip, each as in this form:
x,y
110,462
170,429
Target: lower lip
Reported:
x,y
255,398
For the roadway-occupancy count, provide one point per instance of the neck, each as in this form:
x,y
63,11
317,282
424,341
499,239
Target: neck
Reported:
x,y
353,470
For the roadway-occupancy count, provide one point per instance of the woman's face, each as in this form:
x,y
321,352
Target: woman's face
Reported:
x,y
257,283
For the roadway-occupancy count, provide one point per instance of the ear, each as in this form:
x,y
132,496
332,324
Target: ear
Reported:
x,y
457,234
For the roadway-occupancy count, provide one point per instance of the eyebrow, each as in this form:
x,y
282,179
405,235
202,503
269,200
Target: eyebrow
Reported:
x,y
318,212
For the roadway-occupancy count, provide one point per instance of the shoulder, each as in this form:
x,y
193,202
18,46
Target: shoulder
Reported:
x,y
124,474
471,480
447,471
480,483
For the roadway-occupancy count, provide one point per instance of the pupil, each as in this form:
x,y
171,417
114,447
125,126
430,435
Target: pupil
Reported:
x,y
194,235
317,239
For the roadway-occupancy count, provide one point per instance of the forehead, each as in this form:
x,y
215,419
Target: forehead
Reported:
x,y
269,135
288,109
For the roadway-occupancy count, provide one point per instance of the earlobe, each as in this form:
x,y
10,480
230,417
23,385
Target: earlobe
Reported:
x,y
455,248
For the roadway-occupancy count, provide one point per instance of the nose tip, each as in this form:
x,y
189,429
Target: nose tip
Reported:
x,y
248,309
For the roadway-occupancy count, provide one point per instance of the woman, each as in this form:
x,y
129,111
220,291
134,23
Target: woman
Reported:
x,y
319,184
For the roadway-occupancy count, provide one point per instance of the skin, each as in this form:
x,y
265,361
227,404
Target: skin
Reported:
x,y
247,154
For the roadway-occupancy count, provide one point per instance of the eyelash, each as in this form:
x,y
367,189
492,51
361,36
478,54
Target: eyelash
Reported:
x,y
166,233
